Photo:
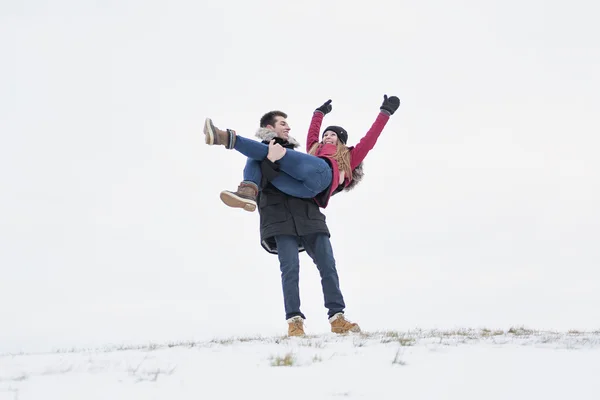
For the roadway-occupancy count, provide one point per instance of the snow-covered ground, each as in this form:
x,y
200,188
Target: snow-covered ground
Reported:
x,y
461,364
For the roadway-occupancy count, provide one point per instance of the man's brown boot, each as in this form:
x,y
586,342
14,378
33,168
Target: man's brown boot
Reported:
x,y
216,136
244,197
339,324
296,326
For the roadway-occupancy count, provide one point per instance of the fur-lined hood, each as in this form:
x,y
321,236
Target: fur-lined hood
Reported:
x,y
267,134
357,175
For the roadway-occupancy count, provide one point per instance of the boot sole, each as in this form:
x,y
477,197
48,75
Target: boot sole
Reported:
x,y
232,200
208,132
341,331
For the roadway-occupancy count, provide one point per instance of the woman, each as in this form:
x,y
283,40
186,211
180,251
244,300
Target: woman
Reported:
x,y
329,167
346,162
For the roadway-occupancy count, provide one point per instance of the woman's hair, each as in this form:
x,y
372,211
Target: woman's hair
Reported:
x,y
341,155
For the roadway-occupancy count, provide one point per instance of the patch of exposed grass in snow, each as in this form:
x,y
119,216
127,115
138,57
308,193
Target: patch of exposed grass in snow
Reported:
x,y
287,360
520,335
398,358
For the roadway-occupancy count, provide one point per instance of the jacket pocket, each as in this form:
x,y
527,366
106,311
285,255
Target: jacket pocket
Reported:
x,y
272,210
313,212
265,201
274,214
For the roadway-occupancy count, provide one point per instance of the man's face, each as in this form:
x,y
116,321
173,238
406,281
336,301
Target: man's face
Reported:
x,y
281,128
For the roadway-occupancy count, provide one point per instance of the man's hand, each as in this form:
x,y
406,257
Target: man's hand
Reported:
x,y
276,151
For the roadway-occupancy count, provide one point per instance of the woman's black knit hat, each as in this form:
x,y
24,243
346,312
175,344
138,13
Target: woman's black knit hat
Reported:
x,y
339,131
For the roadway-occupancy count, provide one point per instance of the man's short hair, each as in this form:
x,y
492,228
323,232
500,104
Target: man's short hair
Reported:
x,y
271,117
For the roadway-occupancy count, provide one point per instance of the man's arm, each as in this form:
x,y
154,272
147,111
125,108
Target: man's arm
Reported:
x,y
269,170
269,166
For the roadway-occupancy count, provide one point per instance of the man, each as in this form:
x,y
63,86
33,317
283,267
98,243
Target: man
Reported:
x,y
288,225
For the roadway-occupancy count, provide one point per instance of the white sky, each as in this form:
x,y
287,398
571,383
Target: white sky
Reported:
x,y
479,205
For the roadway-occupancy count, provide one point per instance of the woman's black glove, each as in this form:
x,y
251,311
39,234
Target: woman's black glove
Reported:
x,y
390,104
325,108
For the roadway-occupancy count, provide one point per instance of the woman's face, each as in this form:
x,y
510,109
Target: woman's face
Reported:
x,y
330,137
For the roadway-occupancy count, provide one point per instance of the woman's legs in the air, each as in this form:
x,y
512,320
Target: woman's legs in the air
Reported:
x,y
301,175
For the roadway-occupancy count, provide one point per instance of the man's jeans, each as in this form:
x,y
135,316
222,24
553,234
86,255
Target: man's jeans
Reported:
x,y
318,247
302,175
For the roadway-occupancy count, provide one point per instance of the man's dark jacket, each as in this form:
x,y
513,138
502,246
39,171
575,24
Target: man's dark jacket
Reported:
x,y
282,214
